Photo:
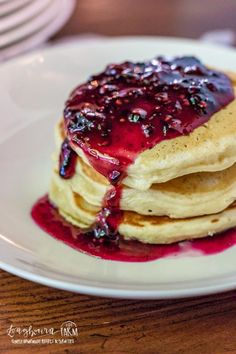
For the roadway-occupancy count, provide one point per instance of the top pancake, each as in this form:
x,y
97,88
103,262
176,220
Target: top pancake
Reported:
x,y
209,148
154,121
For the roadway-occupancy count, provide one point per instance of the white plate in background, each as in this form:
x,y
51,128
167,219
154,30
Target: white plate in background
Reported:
x,y
32,94
7,7
30,27
33,40
23,15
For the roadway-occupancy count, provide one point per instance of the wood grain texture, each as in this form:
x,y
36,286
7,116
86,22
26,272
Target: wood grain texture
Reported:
x,y
197,326
206,325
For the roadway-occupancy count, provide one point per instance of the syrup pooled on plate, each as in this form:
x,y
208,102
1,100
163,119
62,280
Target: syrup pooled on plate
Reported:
x,y
123,111
48,218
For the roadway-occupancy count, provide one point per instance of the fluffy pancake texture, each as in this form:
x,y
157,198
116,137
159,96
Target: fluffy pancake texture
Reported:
x,y
186,196
147,229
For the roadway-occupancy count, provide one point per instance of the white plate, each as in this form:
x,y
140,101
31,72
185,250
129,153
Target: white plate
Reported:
x,y
31,26
22,15
32,92
9,6
65,10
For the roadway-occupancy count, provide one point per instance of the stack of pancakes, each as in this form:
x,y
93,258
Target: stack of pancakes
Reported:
x,y
181,189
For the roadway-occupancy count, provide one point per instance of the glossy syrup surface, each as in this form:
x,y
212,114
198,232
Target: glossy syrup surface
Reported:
x,y
48,218
131,107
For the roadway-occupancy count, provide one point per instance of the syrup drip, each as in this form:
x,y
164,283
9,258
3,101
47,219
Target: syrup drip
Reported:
x,y
108,219
67,161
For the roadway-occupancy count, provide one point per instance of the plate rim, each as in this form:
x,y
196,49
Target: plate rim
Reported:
x,y
118,293
76,40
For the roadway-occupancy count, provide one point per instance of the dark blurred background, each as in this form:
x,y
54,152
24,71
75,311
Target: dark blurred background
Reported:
x,y
28,24
182,18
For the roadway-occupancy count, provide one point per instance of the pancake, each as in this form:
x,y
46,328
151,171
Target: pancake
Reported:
x,y
147,229
186,196
71,205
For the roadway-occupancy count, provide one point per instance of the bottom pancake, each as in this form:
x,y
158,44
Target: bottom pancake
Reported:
x,y
147,229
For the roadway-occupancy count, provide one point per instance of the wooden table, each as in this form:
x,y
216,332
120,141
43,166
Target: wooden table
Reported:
x,y
197,326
